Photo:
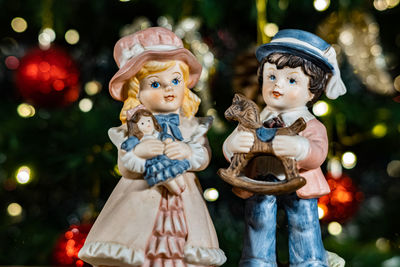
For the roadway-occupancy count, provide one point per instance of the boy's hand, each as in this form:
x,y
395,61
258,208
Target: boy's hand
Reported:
x,y
240,142
290,146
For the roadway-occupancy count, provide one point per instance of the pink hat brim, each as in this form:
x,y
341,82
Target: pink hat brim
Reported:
x,y
135,64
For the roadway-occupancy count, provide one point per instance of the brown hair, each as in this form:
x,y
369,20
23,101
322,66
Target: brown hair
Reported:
x,y
318,77
133,128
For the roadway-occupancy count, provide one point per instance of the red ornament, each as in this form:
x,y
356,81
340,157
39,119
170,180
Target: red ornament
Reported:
x,y
343,200
68,245
48,78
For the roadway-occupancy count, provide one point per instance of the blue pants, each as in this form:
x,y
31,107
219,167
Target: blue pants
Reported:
x,y
305,243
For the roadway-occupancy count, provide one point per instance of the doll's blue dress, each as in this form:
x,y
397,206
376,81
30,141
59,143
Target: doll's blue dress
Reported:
x,y
160,168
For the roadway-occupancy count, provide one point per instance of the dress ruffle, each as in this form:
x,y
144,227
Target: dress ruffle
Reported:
x,y
106,253
162,168
166,244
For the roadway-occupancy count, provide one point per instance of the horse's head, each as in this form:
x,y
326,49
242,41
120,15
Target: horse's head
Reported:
x,y
244,111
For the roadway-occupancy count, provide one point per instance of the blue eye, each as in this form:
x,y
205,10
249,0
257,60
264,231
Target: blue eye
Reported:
x,y
175,81
272,78
292,81
155,85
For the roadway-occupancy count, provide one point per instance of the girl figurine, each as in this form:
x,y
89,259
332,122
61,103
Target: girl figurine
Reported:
x,y
296,67
162,221
142,125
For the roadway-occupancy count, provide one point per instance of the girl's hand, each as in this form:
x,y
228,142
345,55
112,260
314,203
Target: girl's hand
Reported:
x,y
240,142
290,146
178,150
176,186
149,148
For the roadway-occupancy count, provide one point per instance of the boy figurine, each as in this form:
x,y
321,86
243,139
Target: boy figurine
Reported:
x,y
296,67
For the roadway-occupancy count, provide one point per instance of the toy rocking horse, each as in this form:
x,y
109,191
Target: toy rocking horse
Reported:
x,y
246,113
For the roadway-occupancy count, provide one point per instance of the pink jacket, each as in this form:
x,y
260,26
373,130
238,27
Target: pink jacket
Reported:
x,y
309,167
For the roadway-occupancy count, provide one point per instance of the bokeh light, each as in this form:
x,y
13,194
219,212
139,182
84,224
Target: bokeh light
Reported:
x,y
12,63
92,87
381,5
23,175
382,244
72,36
321,108
321,210
270,29
335,167
211,194
85,105
25,110
379,130
397,83
321,5
349,160
335,228
19,24
393,168
14,209
46,37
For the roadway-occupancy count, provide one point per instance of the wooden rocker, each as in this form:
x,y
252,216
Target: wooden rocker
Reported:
x,y
246,113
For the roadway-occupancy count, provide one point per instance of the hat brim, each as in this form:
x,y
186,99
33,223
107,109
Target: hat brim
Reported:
x,y
133,66
294,49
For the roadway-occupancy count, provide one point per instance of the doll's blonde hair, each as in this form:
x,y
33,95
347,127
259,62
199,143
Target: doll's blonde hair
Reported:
x,y
131,88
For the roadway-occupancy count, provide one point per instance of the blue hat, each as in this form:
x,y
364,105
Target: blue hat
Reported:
x,y
298,42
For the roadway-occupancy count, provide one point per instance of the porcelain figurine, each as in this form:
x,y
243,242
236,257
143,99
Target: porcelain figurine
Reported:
x,y
296,67
156,215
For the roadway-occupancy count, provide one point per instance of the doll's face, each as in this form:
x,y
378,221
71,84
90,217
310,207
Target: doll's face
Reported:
x,y
146,125
285,89
163,92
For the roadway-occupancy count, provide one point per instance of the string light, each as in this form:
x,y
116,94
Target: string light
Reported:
x,y
14,209
72,36
85,105
321,108
379,130
25,110
211,194
321,5
19,24
23,175
349,160
335,228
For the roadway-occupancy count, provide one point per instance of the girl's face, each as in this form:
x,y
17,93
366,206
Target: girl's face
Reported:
x,y
146,125
285,89
163,92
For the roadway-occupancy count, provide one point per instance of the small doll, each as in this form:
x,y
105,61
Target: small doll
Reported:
x,y
296,67
152,217
142,125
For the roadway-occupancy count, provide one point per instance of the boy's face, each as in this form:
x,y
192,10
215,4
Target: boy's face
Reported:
x,y
285,89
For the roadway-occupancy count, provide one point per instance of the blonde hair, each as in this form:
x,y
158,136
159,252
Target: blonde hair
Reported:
x,y
131,88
